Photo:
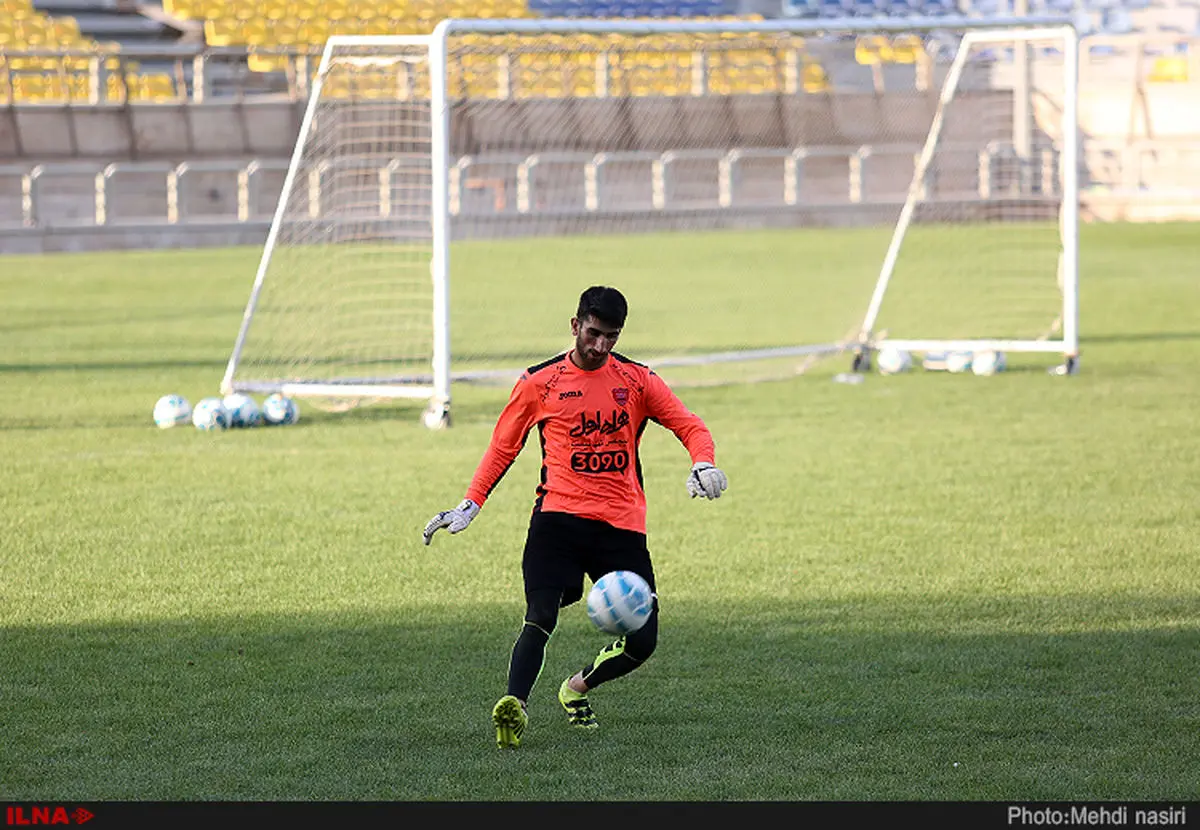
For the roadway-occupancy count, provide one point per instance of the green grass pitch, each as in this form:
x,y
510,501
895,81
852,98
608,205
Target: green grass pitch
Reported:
x,y
926,587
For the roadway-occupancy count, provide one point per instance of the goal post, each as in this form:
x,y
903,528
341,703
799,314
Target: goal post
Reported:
x,y
763,194
338,229
1058,190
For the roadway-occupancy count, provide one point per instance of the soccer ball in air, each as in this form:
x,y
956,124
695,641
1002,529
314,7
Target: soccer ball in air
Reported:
x,y
620,602
280,410
243,410
171,411
211,415
893,361
988,363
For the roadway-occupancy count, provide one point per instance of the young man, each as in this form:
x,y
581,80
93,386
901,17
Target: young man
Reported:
x,y
591,406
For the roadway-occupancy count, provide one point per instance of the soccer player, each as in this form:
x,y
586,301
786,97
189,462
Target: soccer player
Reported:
x,y
590,406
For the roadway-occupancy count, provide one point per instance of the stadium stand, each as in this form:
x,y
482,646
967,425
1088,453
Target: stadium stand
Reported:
x,y
281,38
274,31
121,21
54,52
243,68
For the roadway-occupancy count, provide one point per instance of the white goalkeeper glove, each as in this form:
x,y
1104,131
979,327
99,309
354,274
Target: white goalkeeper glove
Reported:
x,y
706,480
455,520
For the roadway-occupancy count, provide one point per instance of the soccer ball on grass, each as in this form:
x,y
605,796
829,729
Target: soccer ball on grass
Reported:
x,y
620,602
243,410
171,411
210,415
959,362
893,361
988,363
280,410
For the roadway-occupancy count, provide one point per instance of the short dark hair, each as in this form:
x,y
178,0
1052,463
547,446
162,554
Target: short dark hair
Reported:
x,y
604,304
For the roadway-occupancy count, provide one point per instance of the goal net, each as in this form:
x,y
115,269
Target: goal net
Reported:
x,y
765,193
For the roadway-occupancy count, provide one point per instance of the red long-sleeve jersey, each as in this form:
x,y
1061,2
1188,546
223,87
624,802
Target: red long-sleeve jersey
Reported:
x,y
590,424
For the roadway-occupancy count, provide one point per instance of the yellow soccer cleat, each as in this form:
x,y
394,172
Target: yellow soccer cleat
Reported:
x,y
510,719
579,710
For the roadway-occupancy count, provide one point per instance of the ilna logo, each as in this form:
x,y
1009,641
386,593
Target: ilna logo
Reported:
x,y
43,814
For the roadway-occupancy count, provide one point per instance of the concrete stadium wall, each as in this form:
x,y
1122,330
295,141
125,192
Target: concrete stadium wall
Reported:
x,y
40,133
143,132
76,144
1141,152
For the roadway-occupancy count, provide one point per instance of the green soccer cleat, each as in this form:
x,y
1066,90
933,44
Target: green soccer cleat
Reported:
x,y
579,711
509,716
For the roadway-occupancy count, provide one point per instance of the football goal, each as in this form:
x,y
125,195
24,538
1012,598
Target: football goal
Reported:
x,y
767,194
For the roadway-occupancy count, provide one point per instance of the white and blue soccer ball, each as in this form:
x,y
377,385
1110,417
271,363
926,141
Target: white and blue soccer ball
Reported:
x,y
620,602
172,411
210,415
892,361
280,410
243,410
959,362
988,363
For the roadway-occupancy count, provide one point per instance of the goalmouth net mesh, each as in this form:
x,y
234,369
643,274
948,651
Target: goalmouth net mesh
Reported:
x,y
761,194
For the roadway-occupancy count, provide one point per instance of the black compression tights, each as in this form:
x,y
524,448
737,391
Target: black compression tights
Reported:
x,y
529,652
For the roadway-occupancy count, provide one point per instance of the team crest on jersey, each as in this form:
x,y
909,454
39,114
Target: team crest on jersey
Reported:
x,y
621,395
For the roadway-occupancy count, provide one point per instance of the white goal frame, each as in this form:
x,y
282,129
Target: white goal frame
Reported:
x,y
1068,273
436,385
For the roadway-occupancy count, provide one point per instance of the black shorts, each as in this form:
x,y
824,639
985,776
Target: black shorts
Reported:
x,y
560,549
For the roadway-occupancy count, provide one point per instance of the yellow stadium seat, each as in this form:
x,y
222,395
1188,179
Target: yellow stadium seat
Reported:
x,y
183,9
255,33
266,62
210,9
58,87
115,64
244,12
116,89
371,11
347,26
335,10
276,10
313,32
303,14
872,49
79,87
36,24
907,48
222,31
39,63
27,88
152,86
20,12
814,78
1169,69
77,62
379,26
64,30
284,32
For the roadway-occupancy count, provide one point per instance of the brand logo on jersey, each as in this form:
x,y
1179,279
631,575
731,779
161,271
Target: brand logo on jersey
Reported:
x,y
600,424
621,395
570,393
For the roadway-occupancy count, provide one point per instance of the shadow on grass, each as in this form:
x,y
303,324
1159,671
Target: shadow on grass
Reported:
x,y
1142,337
794,702
109,366
96,319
